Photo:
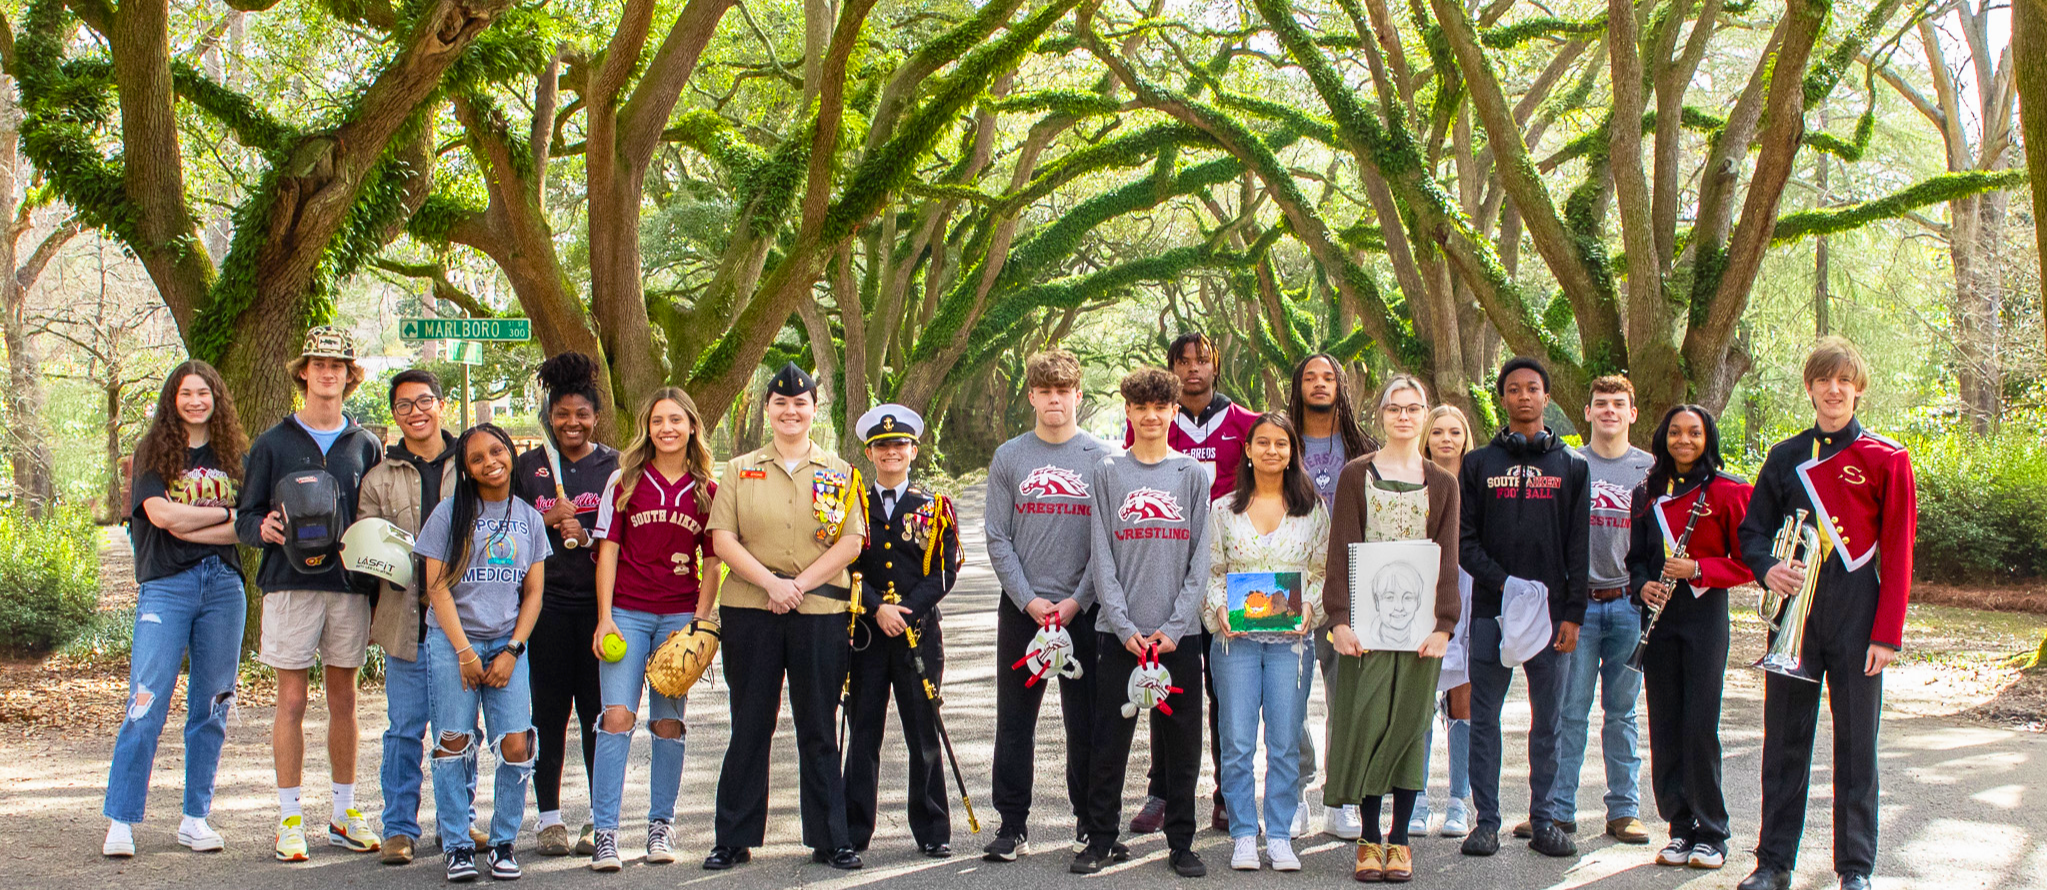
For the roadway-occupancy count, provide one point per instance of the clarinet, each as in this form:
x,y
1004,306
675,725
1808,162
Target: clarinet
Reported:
x,y
1634,662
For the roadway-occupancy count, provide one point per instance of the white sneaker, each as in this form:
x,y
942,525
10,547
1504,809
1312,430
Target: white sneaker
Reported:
x,y
1300,826
1457,820
1281,852
120,842
1418,824
1245,856
1342,822
201,837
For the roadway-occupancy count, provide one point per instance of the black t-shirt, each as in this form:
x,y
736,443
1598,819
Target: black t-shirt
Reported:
x,y
159,554
571,583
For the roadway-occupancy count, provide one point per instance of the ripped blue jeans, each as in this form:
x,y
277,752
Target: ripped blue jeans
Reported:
x,y
621,682
197,612
505,711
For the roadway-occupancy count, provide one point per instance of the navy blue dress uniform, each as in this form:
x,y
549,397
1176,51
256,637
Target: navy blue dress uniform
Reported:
x,y
912,558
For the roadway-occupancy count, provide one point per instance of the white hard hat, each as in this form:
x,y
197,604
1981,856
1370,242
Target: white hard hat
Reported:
x,y
376,547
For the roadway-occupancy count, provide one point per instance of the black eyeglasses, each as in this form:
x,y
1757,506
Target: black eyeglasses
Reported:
x,y
403,407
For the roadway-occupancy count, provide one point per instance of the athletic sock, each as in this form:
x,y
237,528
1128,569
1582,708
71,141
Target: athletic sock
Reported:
x,y
550,817
344,800
288,803
1403,812
1368,811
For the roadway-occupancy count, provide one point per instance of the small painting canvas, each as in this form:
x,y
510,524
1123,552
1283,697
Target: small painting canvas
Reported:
x,y
1265,601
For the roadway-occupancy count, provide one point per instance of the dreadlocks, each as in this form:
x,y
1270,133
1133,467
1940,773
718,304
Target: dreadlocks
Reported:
x,y
1355,441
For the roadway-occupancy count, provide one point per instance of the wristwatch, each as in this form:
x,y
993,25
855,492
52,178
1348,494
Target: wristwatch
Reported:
x,y
515,648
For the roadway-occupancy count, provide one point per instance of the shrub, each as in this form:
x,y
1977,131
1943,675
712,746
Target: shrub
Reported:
x,y
49,579
1982,508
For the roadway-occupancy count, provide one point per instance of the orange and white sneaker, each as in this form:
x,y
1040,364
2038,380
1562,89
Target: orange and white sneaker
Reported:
x,y
291,840
353,833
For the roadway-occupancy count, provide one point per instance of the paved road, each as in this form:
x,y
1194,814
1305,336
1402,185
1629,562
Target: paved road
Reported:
x,y
1961,809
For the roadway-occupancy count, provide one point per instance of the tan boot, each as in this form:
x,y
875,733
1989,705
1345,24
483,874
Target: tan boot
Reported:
x,y
554,840
397,850
1628,831
1371,867
1399,863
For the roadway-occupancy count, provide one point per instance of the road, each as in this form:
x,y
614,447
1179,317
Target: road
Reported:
x,y
1958,808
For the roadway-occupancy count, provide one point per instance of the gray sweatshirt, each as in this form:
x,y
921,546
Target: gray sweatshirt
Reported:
x,y
1150,557
1039,499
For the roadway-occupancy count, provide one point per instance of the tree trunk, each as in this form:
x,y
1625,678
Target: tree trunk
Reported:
x,y
2029,67
111,505
28,452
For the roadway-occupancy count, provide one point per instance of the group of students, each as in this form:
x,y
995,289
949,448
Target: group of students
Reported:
x,y
828,586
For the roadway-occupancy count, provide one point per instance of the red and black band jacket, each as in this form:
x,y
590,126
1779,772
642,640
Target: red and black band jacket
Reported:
x,y
1654,536
1863,499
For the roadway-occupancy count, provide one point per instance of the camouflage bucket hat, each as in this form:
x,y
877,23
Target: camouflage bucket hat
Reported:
x,y
328,341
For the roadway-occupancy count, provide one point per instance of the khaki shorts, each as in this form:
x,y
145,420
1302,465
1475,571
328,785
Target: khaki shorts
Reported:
x,y
297,624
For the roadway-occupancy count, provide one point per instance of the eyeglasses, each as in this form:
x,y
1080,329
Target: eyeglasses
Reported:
x,y
403,407
1403,410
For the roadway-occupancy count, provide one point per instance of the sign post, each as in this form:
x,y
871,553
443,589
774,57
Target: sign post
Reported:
x,y
466,336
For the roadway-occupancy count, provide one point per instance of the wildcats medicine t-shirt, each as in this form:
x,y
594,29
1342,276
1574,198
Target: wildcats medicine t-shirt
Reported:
x,y
506,540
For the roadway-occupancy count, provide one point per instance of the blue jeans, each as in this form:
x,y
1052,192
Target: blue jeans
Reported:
x,y
1459,744
1547,675
409,708
198,612
1604,644
1254,679
621,682
505,710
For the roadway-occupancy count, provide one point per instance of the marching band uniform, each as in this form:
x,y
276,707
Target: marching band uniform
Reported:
x,y
912,559
1860,490
1685,662
787,518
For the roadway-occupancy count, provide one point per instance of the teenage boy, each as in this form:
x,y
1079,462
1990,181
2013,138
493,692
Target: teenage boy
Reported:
x,y
1040,497
1526,523
1209,428
1319,404
1149,560
1859,489
1612,625
416,473
309,607
911,560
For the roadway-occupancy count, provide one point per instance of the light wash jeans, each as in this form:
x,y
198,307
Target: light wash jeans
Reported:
x,y
621,683
1604,644
1459,744
505,710
409,710
198,612
1272,680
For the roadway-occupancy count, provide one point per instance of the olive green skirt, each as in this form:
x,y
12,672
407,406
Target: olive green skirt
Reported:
x,y
1380,705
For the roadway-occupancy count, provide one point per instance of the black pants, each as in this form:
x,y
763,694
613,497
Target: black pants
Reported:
x,y
1683,671
1155,784
1837,643
1548,674
1175,743
563,678
759,648
881,667
1016,716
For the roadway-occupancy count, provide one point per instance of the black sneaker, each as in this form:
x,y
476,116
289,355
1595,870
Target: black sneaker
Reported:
x,y
1119,853
1550,840
503,865
461,865
1087,861
1484,840
1188,865
1006,847
1675,853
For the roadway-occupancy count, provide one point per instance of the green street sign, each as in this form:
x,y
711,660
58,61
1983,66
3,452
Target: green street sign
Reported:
x,y
498,330
467,352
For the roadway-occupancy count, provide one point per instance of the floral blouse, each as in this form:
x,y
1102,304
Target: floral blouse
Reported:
x,y
1299,544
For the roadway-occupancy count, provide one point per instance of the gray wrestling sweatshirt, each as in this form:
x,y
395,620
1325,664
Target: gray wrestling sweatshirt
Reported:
x,y
1039,498
1149,559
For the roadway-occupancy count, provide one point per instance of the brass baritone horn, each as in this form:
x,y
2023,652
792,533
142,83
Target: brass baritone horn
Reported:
x,y
1798,541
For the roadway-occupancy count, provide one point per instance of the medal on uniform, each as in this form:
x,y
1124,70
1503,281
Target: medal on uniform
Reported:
x,y
828,502
917,525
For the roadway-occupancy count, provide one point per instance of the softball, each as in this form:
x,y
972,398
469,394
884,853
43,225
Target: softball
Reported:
x,y
614,647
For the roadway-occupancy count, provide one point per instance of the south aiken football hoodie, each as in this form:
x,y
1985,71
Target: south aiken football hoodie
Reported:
x,y
1527,513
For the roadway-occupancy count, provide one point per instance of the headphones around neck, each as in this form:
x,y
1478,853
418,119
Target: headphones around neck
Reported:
x,y
1521,445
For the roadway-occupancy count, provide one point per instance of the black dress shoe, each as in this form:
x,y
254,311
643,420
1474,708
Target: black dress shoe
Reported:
x,y
1484,840
936,851
1852,881
722,858
1187,865
1767,877
842,858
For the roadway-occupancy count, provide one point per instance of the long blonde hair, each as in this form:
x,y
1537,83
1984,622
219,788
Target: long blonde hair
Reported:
x,y
1447,410
640,452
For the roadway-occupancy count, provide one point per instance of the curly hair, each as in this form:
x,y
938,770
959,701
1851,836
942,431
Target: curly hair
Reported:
x,y
163,445
569,374
1149,386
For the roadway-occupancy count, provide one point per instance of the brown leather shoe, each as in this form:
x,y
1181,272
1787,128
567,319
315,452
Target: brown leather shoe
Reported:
x,y
397,850
1399,864
1371,867
1628,831
1219,818
478,836
1524,830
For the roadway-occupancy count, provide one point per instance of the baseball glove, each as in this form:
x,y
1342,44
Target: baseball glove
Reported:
x,y
682,658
